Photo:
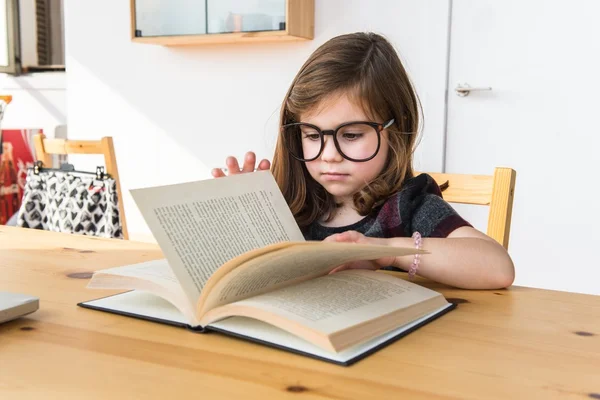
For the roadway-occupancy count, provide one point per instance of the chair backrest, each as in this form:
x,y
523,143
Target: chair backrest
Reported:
x,y
495,191
45,148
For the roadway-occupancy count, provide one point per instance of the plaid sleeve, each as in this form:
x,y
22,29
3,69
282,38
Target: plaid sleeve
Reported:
x,y
436,218
429,213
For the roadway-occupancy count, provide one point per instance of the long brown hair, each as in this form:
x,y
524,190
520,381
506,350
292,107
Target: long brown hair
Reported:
x,y
367,67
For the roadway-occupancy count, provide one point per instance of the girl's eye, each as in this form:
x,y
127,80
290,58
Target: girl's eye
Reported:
x,y
352,136
310,136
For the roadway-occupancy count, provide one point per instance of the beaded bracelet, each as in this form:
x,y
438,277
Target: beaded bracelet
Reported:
x,y
415,264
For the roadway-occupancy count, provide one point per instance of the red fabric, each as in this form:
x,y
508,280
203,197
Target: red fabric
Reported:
x,y
16,157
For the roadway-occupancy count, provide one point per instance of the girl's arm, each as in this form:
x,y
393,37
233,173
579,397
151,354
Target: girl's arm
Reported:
x,y
466,259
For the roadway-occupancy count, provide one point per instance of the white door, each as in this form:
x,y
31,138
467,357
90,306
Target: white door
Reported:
x,y
541,117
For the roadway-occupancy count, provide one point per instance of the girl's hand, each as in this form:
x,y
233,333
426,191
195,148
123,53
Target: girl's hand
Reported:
x,y
233,166
357,237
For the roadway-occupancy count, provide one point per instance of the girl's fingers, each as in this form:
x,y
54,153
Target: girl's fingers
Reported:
x,y
338,269
249,161
361,264
333,238
348,236
217,173
264,165
233,167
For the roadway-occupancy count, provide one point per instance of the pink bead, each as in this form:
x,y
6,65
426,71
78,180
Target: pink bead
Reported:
x,y
415,264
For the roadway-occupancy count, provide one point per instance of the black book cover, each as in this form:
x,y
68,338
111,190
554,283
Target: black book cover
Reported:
x,y
208,329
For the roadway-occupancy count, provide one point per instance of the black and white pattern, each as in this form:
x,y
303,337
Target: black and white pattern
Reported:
x,y
70,202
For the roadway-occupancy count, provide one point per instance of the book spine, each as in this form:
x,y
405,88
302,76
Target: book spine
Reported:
x,y
197,329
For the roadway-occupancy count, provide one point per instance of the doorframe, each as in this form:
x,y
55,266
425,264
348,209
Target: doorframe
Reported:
x,y
447,84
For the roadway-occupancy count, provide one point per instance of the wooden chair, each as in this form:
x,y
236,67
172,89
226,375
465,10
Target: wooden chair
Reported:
x,y
495,191
45,148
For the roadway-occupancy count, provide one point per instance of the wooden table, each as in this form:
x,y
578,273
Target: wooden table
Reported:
x,y
505,344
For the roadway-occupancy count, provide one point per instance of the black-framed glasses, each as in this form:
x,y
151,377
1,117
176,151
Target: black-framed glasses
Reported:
x,y
356,141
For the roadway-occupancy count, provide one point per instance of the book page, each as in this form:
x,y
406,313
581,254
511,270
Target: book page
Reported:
x,y
253,329
288,266
201,225
151,276
142,305
156,271
336,302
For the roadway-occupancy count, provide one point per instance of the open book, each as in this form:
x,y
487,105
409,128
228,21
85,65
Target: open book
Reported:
x,y
236,262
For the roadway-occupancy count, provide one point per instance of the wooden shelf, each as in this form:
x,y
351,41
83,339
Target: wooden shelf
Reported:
x,y
237,37
299,27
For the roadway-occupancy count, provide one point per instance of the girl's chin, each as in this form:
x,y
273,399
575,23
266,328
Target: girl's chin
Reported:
x,y
339,191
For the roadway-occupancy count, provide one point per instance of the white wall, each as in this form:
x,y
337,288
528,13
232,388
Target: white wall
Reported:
x,y
175,113
540,118
39,100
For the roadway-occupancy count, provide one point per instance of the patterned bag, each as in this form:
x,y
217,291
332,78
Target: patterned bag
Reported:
x,y
63,200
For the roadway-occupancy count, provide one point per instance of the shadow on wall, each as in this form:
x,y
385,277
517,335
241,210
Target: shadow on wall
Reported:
x,y
227,95
198,95
36,93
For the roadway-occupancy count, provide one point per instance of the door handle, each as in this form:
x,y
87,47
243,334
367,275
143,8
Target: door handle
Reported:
x,y
464,89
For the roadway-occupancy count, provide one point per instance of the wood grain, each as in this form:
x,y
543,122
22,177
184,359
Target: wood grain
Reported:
x,y
501,344
465,188
500,216
495,191
220,38
301,18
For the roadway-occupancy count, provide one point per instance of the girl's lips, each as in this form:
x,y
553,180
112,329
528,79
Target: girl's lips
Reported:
x,y
334,176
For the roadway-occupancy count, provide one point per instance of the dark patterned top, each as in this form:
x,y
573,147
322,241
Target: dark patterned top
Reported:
x,y
418,206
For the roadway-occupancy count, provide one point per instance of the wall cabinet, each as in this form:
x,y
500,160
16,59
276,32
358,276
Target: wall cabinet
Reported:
x,y
195,22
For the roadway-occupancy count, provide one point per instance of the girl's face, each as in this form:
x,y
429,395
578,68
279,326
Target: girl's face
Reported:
x,y
340,177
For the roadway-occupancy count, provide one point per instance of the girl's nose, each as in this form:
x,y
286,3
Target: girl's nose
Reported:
x,y
330,153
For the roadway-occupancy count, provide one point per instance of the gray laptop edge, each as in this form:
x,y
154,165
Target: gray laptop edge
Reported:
x,y
15,305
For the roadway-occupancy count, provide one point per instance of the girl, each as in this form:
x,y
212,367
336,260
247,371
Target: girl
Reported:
x,y
343,161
